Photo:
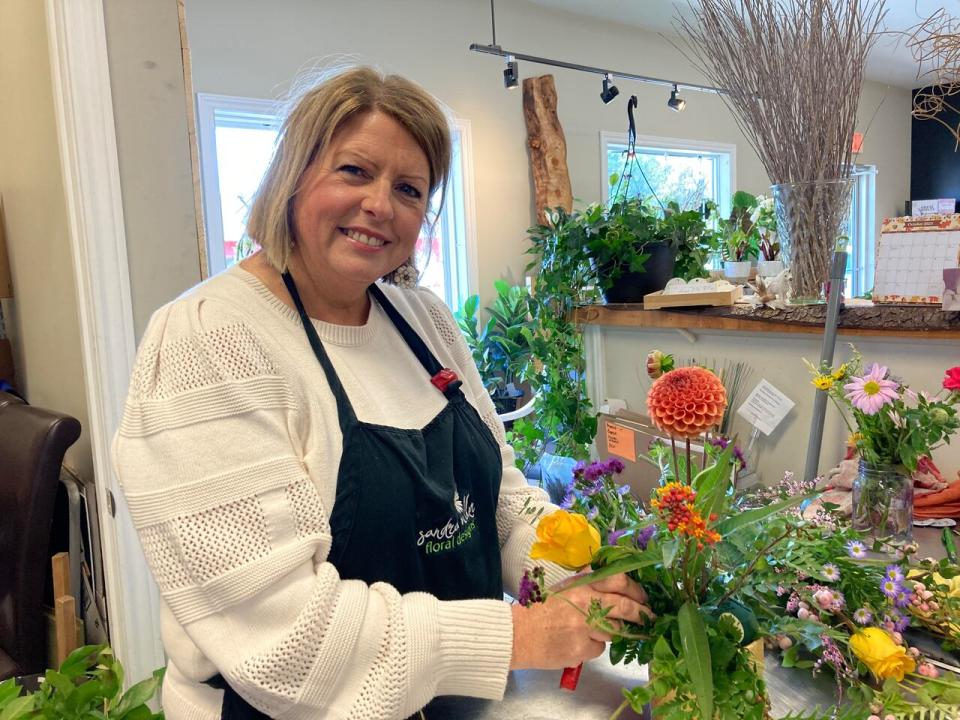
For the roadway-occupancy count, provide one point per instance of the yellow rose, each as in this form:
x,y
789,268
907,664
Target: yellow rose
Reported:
x,y
566,539
881,654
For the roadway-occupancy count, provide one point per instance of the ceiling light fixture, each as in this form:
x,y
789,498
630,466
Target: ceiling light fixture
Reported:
x,y
609,91
510,74
677,104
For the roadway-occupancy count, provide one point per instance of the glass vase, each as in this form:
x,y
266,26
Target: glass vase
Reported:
x,y
883,501
810,218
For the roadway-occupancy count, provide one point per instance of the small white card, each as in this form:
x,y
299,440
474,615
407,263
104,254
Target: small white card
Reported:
x,y
765,407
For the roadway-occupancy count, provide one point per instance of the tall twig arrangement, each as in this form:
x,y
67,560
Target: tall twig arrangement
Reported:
x,y
793,70
935,44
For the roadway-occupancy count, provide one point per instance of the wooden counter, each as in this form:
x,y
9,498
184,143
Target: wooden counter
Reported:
x,y
903,321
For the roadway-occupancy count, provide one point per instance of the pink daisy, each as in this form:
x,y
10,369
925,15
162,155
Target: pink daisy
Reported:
x,y
872,391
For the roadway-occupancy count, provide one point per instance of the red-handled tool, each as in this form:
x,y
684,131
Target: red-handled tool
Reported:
x,y
570,677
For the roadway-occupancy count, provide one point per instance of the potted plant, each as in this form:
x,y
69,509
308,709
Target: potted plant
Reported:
x,y
501,346
765,221
624,243
736,236
686,231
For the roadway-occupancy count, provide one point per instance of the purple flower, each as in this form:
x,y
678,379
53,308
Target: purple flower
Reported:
x,y
568,499
895,573
529,588
738,456
624,490
643,537
890,587
831,572
614,466
856,549
578,469
903,599
719,442
862,616
615,535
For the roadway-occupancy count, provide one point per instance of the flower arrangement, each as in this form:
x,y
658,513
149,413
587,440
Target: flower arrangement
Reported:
x,y
890,424
893,429
722,572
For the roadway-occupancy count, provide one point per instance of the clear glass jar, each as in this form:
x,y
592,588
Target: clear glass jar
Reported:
x,y
883,501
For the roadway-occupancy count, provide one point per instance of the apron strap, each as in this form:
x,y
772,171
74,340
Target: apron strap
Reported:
x,y
344,408
444,379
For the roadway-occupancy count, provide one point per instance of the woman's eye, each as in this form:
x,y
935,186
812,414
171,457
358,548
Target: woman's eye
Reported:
x,y
410,191
352,170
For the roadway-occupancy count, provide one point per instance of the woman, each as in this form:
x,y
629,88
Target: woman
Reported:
x,y
318,478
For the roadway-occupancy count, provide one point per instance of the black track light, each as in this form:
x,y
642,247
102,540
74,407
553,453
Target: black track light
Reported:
x,y
609,91
675,103
510,74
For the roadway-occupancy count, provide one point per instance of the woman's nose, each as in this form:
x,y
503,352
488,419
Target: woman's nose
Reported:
x,y
378,200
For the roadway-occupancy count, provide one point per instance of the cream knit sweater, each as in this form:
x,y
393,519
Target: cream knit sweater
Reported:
x,y
228,454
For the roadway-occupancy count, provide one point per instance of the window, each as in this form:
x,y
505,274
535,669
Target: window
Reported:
x,y
861,247
685,171
237,138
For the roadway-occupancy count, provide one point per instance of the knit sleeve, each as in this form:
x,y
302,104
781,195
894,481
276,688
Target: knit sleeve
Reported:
x,y
520,504
237,536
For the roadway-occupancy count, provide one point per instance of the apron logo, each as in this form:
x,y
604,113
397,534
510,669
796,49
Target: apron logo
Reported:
x,y
455,532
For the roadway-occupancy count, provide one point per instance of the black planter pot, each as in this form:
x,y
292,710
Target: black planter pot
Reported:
x,y
630,287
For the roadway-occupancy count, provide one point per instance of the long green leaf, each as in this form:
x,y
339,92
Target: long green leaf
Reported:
x,y
17,708
696,655
625,565
754,516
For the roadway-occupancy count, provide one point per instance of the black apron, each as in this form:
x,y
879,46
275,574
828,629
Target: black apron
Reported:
x,y
414,508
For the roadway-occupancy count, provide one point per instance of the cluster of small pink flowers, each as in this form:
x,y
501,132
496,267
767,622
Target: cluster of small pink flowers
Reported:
x,y
829,599
928,670
922,599
834,657
823,600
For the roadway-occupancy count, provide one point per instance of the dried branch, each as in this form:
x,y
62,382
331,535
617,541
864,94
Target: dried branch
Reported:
x,y
935,45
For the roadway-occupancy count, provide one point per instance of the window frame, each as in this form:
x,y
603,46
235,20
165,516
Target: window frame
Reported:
x,y
460,244
863,229
726,176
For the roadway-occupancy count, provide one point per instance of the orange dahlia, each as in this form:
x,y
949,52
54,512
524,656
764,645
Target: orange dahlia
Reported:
x,y
687,402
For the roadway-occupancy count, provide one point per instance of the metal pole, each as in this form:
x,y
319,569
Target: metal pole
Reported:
x,y
837,270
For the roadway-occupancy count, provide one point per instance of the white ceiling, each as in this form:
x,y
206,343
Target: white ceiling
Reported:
x,y
890,61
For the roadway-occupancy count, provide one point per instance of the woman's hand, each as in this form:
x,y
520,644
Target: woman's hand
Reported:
x,y
554,634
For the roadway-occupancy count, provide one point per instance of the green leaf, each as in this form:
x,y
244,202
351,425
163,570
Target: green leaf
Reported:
x,y
669,549
696,655
8,690
60,682
636,561
80,660
754,516
17,708
136,696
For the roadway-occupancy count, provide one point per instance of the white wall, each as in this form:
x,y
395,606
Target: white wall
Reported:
x,y
778,358
253,48
42,318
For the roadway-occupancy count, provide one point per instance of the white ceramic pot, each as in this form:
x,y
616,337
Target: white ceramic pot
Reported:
x,y
736,270
769,268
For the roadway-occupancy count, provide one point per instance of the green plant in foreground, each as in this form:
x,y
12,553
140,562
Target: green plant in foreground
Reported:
x,y
88,686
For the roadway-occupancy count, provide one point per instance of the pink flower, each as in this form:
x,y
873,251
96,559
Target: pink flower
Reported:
x,y
952,379
872,391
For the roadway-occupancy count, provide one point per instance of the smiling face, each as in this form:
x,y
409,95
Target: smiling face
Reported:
x,y
360,205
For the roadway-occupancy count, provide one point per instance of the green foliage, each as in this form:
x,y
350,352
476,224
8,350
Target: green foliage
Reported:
x,y
565,278
88,686
686,231
501,346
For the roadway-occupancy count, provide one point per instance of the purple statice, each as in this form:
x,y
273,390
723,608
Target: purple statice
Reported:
x,y
739,457
578,469
856,549
614,466
644,535
593,487
862,616
615,535
531,590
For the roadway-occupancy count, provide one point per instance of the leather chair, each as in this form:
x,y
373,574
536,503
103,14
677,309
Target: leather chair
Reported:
x,y
32,444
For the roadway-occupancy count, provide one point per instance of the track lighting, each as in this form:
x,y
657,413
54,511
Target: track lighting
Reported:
x,y
609,91
510,74
675,103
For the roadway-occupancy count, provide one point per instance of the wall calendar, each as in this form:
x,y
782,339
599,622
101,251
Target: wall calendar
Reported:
x,y
911,255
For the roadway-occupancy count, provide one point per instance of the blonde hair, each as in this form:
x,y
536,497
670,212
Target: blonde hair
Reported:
x,y
316,116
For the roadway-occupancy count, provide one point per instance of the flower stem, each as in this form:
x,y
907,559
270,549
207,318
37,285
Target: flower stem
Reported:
x,y
676,463
689,464
619,710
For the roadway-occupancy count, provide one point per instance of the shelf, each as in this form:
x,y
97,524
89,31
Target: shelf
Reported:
x,y
903,321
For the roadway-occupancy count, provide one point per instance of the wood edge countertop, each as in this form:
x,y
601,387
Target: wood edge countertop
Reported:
x,y
917,322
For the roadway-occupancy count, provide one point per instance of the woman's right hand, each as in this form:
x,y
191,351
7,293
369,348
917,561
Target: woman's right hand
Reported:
x,y
555,634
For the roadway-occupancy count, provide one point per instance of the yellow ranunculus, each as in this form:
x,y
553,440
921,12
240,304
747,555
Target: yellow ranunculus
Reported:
x,y
881,654
565,538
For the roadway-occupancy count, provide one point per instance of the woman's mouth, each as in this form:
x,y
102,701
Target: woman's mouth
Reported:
x,y
363,238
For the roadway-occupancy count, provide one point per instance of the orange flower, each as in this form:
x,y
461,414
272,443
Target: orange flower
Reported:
x,y
674,503
687,402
